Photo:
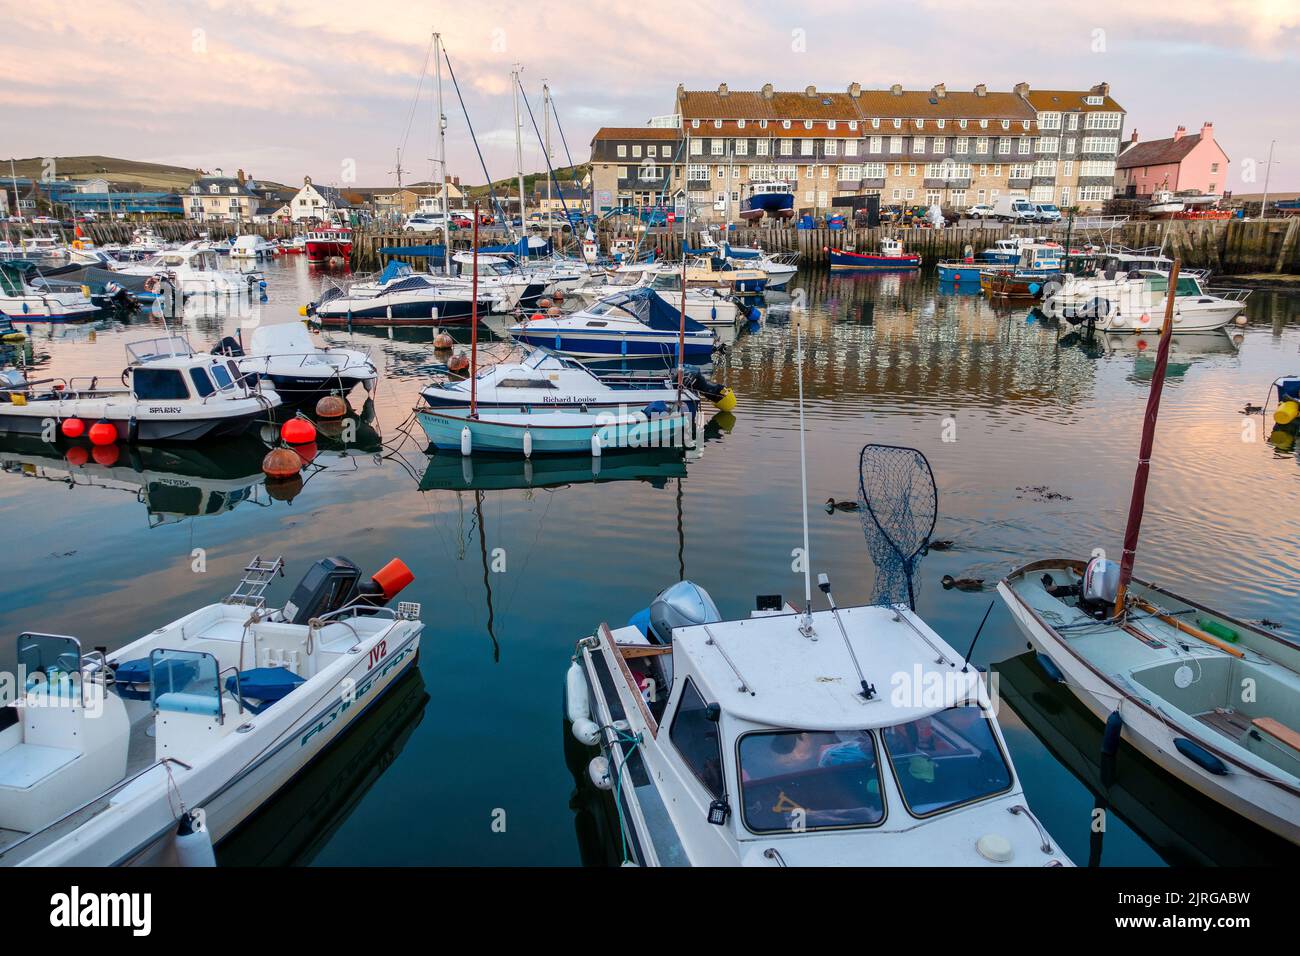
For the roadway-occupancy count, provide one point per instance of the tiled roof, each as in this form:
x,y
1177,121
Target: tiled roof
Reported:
x,y
667,133
954,104
752,104
1157,152
1054,100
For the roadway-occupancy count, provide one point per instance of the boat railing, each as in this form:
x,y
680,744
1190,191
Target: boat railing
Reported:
x,y
56,828
165,346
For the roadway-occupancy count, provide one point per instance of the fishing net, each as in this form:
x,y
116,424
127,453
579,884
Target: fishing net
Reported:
x,y
898,504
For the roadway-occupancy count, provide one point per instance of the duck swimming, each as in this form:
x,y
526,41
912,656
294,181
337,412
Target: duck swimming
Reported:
x,y
962,584
1252,409
943,544
833,505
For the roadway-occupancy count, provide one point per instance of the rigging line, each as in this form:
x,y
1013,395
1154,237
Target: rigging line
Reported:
x,y
496,203
415,103
549,169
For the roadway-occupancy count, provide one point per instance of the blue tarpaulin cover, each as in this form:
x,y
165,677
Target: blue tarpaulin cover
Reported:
x,y
265,683
652,309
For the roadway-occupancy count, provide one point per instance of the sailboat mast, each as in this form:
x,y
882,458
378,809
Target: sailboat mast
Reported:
x,y
546,125
519,148
442,154
1138,502
473,325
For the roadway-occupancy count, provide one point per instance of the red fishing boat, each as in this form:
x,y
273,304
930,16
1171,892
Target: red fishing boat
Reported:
x,y
891,256
332,242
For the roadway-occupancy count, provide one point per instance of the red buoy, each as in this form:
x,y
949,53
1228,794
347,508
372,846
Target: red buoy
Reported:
x,y
458,363
281,463
306,452
443,341
103,433
72,428
298,431
77,456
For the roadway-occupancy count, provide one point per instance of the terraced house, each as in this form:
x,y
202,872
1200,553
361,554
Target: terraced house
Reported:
x,y
950,147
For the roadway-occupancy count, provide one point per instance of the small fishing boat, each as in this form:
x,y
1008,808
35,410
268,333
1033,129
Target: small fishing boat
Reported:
x,y
542,431
168,393
332,242
774,199
21,299
705,270
891,256
779,268
545,380
635,324
1212,700
109,754
1130,302
297,368
251,247
1164,204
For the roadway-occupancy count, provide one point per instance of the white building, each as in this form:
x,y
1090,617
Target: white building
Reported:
x,y
317,202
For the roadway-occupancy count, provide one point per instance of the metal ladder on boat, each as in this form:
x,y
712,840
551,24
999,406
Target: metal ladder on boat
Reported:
x,y
258,576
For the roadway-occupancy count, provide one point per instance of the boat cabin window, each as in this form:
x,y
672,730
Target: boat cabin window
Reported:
x,y
525,383
223,377
202,384
946,760
1187,285
158,383
815,780
696,739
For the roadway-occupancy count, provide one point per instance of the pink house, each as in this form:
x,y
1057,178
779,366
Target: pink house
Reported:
x,y
1181,163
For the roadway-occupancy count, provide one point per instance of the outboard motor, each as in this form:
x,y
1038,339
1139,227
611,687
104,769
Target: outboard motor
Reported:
x,y
334,583
1100,587
228,346
682,605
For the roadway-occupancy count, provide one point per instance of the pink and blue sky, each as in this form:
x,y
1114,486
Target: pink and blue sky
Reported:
x,y
286,88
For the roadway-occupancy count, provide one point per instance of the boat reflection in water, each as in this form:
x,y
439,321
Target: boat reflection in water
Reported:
x,y
292,828
173,482
451,472
1184,827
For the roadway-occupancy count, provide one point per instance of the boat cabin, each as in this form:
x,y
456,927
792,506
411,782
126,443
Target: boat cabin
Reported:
x,y
168,369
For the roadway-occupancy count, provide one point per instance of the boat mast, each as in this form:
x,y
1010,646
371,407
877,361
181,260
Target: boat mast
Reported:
x,y
442,154
546,126
1138,502
473,325
805,628
519,151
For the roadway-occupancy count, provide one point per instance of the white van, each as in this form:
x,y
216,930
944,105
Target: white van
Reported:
x,y
1014,209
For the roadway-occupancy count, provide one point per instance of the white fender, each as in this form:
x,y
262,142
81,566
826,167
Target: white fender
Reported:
x,y
598,771
466,442
193,842
528,443
577,702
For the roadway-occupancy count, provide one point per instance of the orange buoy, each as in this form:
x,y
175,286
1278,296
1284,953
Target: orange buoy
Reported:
x,y
103,433
544,303
281,463
443,341
298,431
458,363
72,428
105,455
331,406
306,452
77,456
536,317
392,577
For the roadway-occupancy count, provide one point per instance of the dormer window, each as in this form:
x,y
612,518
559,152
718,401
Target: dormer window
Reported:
x,y
830,124
898,123
1024,124
875,122
214,189
939,123
984,124
853,124
961,123
762,124
1006,124
695,124
740,124
807,124
785,124
920,124
717,124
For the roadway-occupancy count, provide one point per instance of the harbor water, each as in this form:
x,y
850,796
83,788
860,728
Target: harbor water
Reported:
x,y
1032,434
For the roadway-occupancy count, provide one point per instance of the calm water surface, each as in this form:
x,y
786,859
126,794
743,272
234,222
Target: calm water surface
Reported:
x,y
1044,436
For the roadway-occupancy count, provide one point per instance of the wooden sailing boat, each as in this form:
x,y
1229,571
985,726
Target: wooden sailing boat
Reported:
x,y
1212,700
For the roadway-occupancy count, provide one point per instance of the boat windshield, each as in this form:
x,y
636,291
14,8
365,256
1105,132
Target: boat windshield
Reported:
x,y
809,780
1187,285
946,760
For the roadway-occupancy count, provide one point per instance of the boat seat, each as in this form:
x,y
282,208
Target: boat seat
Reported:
x,y
132,677
178,702
264,685
27,764
1279,731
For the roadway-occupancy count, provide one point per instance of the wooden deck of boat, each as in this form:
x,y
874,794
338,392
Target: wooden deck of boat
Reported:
x,y
1230,723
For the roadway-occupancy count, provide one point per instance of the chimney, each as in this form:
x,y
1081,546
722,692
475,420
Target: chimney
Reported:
x,y
981,90
767,91
1102,89
239,176
722,89
810,91
1021,89
1180,133
939,90
855,90
1207,130
896,89
1134,137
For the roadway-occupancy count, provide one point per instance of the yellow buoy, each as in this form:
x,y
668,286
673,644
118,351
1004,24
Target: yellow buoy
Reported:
x,y
18,399
727,400
302,310
1286,412
1281,439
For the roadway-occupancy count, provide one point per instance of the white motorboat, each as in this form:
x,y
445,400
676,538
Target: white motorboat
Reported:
x,y
153,753
297,368
195,269
545,380
250,247
401,296
780,268
1133,301
168,393
19,299
1164,203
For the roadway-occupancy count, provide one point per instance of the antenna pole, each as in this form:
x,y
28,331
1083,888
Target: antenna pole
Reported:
x,y
970,650
803,475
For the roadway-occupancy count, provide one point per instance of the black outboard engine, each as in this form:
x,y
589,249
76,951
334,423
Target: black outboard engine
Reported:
x,y
333,583
228,346
681,605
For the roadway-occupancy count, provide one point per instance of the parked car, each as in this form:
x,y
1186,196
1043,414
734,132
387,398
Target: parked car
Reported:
x,y
44,221
1046,212
425,222
980,211
461,221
